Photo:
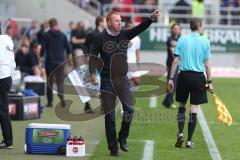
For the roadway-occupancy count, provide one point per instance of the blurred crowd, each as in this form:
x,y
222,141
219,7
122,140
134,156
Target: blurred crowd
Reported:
x,y
230,8
27,46
229,11
83,3
119,6
28,42
127,10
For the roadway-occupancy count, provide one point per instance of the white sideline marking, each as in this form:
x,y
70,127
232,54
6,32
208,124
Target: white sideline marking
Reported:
x,y
208,136
148,150
93,142
153,102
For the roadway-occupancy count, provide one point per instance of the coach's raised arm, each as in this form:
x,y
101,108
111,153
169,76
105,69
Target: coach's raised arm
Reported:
x,y
131,33
115,41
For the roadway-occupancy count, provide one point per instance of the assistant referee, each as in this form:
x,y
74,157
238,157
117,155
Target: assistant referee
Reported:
x,y
193,53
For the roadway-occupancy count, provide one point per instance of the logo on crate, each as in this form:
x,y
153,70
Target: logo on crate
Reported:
x,y
48,133
30,108
48,136
75,149
12,109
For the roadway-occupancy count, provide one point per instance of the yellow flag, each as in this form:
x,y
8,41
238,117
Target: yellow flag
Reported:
x,y
222,112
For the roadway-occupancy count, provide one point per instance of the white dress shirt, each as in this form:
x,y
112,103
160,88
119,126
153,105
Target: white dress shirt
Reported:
x,y
7,61
133,45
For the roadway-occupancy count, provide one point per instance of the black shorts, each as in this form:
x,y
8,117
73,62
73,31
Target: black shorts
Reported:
x,y
192,83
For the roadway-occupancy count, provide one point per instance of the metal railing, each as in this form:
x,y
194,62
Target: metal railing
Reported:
x,y
93,6
133,10
225,16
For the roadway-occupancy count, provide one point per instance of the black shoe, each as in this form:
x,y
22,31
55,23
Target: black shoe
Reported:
x,y
114,153
165,105
49,105
87,108
63,103
123,145
180,140
5,146
189,145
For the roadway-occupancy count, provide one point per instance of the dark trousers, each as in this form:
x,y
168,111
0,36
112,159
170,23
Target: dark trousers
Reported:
x,y
110,89
6,126
168,101
58,75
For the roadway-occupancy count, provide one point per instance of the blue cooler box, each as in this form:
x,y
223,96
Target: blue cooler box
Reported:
x,y
46,138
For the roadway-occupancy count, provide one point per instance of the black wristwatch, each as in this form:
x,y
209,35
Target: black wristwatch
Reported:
x,y
171,78
209,81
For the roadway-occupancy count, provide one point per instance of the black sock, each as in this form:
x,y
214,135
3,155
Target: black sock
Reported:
x,y
181,119
191,125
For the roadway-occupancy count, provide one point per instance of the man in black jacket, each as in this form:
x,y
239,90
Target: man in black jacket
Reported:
x,y
112,45
54,45
100,25
171,44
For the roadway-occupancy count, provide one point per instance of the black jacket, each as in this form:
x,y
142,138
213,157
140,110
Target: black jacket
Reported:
x,y
90,39
113,51
170,54
54,45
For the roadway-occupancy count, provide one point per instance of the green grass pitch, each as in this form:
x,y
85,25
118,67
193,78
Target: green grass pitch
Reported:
x,y
156,124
